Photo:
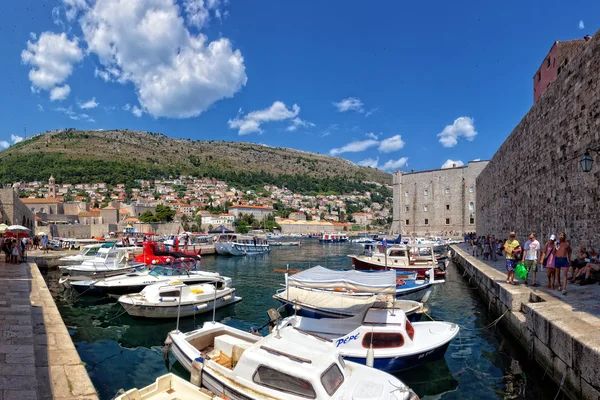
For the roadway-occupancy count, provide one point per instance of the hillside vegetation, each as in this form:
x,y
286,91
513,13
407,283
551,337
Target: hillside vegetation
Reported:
x,y
121,156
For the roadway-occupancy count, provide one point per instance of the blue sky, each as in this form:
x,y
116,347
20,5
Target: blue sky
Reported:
x,y
398,85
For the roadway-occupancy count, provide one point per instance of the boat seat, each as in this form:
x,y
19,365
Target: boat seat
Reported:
x,y
237,352
226,343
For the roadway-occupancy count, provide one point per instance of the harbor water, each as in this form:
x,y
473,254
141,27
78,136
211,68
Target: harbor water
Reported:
x,y
123,352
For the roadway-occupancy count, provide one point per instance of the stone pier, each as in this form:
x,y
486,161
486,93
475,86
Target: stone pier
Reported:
x,y
559,332
37,357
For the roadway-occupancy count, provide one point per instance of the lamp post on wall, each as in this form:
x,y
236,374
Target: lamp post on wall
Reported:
x,y
506,198
586,161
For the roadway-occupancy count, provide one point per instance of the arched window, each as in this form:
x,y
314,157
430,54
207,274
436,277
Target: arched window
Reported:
x,y
471,206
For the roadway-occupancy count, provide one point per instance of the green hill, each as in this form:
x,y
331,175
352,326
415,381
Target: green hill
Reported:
x,y
122,156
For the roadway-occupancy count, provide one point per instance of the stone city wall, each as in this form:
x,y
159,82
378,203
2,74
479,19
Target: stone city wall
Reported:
x,y
537,169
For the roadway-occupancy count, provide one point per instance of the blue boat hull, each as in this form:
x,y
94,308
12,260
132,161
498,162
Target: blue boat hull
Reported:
x,y
394,364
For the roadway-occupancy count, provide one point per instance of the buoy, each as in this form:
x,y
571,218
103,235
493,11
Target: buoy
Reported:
x,y
196,376
370,356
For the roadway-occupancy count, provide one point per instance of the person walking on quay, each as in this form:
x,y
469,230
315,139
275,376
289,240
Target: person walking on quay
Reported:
x,y
486,249
531,256
563,261
45,243
494,248
548,261
512,249
15,252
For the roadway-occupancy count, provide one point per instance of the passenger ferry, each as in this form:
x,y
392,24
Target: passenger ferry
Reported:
x,y
240,245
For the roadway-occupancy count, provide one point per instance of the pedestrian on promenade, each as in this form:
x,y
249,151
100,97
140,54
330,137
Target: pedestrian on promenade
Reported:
x,y
531,255
486,248
513,250
15,252
563,261
45,243
548,261
494,248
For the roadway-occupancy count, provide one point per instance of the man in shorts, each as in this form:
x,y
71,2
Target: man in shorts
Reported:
x,y
563,260
531,252
512,250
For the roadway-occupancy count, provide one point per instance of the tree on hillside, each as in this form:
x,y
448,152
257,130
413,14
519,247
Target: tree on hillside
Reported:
x,y
164,213
147,217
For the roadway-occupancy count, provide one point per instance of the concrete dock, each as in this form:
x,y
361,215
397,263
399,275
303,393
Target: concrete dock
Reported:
x,y
38,359
559,332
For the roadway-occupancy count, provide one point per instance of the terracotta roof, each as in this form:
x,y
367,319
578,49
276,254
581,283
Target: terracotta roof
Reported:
x,y
253,207
88,214
131,220
40,201
109,208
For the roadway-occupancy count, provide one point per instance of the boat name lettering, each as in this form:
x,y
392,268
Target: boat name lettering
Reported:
x,y
346,339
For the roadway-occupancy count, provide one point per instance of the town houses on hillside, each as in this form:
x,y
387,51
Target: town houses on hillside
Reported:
x,y
208,202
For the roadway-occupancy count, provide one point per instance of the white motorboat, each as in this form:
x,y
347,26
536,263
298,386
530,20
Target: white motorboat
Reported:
x,y
397,343
239,245
107,261
176,299
137,280
166,387
320,292
87,252
288,364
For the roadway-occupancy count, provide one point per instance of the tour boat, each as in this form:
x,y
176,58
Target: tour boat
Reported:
x,y
396,343
167,387
108,260
320,293
239,245
137,280
285,244
333,238
87,252
289,364
170,300
418,258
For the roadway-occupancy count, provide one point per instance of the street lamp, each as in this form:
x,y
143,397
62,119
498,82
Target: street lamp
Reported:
x,y
506,197
586,161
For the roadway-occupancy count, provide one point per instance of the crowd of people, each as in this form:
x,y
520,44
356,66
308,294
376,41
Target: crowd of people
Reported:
x,y
15,249
556,256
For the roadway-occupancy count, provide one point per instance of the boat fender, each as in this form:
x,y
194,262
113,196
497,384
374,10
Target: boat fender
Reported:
x,y
196,376
228,297
200,306
370,357
297,308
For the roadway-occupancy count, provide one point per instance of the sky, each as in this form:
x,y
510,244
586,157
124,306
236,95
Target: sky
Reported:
x,y
391,85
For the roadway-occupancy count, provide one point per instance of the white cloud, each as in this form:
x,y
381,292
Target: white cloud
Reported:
x,y
394,165
251,122
73,115
51,59
74,7
137,111
92,103
372,136
463,126
581,25
299,123
56,16
16,139
369,162
371,112
60,92
4,144
40,108
391,144
349,104
198,11
127,107
450,163
354,147
176,73
477,159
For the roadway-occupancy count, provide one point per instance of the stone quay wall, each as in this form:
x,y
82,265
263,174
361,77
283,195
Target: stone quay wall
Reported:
x,y
566,346
538,167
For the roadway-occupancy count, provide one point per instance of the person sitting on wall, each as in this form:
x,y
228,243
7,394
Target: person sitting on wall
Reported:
x,y
578,264
593,265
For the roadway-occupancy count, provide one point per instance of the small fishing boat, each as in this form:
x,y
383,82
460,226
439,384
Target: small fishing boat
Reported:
x,y
137,280
285,244
396,343
167,387
239,245
289,364
175,299
333,238
108,260
323,293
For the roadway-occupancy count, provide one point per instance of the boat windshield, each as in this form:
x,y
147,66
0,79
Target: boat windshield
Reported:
x,y
278,380
164,271
90,251
332,379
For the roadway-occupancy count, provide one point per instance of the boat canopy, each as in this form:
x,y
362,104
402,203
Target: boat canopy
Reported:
x,y
365,282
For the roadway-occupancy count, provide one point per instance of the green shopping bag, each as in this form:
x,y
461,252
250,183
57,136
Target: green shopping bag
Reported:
x,y
521,271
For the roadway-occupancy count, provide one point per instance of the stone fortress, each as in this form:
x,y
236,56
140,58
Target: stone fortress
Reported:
x,y
438,202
